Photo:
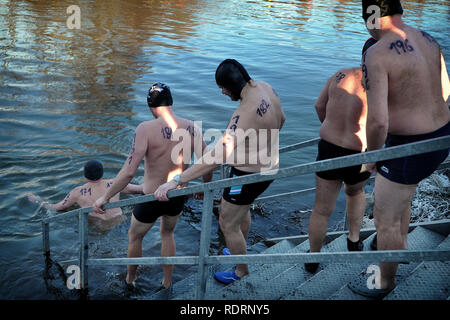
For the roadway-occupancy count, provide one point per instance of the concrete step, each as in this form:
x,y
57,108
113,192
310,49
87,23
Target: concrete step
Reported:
x,y
419,239
331,278
185,289
275,280
429,281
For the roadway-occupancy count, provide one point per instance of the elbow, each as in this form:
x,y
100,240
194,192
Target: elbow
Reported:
x,y
377,127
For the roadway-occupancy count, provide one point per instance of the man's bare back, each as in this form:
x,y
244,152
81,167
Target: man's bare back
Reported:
x,y
409,64
156,136
260,109
342,109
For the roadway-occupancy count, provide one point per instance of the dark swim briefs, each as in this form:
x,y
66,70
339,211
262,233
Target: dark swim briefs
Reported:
x,y
413,169
148,212
350,175
244,194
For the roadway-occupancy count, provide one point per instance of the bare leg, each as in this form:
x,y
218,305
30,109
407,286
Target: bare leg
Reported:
x,y
168,247
356,205
136,233
235,223
392,206
327,192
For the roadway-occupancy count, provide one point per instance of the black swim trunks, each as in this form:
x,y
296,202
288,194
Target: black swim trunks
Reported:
x,y
350,175
148,212
244,194
413,169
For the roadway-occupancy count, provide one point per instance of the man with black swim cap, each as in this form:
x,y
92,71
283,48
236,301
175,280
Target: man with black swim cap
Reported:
x,y
405,82
259,110
342,110
86,194
153,142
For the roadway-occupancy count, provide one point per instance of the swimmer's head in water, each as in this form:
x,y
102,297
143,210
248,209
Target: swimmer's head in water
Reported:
x,y
159,95
232,76
370,42
387,8
93,170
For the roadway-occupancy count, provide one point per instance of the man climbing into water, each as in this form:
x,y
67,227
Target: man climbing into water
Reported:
x,y
403,78
86,194
342,109
259,110
153,142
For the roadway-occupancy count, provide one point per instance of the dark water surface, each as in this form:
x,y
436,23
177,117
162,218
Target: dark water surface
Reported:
x,y
69,95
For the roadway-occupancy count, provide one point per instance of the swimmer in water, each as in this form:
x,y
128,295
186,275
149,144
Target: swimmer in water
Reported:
x,y
85,195
153,142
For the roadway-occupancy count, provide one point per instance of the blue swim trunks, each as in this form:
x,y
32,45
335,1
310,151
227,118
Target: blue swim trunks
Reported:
x,y
413,169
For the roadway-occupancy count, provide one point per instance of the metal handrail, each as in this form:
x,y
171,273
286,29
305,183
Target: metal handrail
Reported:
x,y
207,188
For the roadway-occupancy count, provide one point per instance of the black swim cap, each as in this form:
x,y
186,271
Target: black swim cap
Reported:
x,y
387,7
93,170
159,95
370,42
231,75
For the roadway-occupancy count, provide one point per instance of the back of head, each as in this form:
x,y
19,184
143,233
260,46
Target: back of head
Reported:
x,y
370,42
232,76
387,8
93,170
159,95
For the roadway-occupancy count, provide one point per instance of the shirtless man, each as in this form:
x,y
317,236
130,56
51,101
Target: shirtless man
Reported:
x,y
403,80
85,195
259,110
342,109
153,141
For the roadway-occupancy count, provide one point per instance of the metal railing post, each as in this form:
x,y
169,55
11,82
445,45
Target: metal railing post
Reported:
x,y
205,238
84,250
46,238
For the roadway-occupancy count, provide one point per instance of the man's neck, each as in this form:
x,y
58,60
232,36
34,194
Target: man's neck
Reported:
x,y
391,24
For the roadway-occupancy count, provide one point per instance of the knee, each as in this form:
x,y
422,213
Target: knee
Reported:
x,y
133,236
166,233
385,223
351,192
225,225
323,210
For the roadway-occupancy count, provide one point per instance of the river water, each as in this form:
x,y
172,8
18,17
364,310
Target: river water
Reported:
x,y
69,95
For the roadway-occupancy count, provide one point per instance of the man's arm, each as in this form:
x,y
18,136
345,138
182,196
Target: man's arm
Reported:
x,y
70,199
129,168
321,103
133,188
377,89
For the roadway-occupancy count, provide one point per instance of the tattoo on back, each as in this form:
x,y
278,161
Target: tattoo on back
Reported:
x,y
340,76
166,132
275,92
365,73
403,45
233,127
428,37
85,191
263,107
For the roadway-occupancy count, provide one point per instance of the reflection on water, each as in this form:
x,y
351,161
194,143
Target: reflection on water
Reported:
x,y
70,95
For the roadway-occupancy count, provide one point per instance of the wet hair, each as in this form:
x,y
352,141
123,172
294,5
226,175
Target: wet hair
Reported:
x,y
232,76
387,7
370,42
93,170
159,95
